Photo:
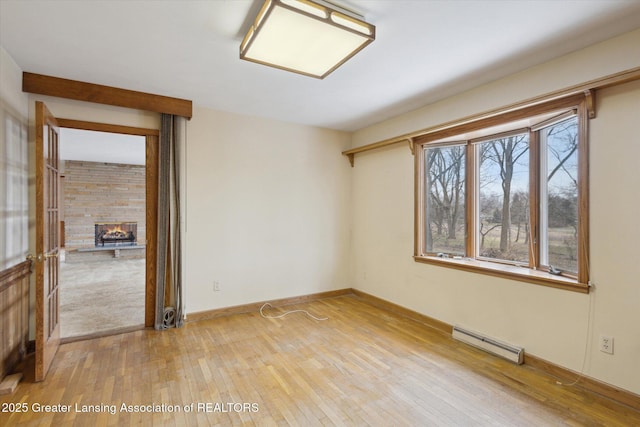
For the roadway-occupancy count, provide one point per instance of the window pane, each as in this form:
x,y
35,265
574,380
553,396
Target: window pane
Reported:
x,y
559,196
445,207
503,203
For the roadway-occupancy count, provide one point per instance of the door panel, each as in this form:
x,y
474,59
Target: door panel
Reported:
x,y
47,240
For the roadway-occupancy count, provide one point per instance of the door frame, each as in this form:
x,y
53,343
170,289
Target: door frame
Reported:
x,y
151,176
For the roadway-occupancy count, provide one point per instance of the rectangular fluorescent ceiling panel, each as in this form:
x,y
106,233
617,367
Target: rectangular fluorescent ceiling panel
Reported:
x,y
304,37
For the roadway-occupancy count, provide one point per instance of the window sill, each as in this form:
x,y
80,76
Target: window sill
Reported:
x,y
508,272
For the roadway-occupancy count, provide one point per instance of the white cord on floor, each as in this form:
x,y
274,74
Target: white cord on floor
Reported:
x,y
288,312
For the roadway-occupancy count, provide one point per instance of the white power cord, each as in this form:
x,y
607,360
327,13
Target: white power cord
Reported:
x,y
588,339
288,312
590,321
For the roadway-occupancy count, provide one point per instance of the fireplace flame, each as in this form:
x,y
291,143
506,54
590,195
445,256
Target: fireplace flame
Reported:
x,y
115,232
123,233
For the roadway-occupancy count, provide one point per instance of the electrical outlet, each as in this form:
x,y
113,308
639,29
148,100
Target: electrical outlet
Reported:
x,y
216,286
606,344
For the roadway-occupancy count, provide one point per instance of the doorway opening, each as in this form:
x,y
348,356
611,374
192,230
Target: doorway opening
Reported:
x,y
103,232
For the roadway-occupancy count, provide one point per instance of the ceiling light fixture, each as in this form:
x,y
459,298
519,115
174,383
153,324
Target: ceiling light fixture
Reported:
x,y
306,37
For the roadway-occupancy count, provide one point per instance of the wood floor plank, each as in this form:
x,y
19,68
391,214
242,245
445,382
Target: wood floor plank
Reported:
x,y
362,366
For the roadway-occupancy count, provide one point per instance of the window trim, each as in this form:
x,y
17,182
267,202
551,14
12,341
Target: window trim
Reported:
x,y
580,282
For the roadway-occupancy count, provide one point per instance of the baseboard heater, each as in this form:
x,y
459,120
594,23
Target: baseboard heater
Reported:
x,y
507,351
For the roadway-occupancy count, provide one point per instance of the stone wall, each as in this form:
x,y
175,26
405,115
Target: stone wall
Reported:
x,y
101,192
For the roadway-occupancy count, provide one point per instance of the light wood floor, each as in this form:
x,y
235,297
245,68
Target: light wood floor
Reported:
x,y
363,366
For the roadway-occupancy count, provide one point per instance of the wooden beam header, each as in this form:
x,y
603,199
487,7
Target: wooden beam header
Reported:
x,y
89,92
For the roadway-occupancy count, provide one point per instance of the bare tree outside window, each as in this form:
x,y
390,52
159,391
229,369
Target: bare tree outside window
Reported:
x,y
508,194
445,192
504,200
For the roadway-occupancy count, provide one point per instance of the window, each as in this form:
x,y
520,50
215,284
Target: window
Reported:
x,y
503,197
507,195
445,199
14,192
559,196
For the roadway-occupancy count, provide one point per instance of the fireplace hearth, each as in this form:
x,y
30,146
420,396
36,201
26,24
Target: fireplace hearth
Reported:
x,y
116,234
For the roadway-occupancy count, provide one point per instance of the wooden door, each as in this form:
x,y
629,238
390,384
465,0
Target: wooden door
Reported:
x,y
47,240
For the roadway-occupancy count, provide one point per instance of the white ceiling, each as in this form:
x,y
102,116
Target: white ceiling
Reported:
x,y
424,51
101,147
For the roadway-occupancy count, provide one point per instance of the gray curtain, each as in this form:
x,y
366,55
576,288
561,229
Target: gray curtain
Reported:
x,y
169,255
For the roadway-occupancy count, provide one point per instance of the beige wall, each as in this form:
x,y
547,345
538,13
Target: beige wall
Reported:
x,y
87,111
267,210
615,234
11,86
553,324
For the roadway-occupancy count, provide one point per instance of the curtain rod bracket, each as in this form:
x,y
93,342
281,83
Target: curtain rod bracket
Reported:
x,y
590,97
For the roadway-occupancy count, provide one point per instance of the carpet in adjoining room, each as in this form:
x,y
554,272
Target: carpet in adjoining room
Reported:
x,y
99,296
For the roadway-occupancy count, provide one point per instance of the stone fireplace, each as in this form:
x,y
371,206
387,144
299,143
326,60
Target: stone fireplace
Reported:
x,y
98,197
